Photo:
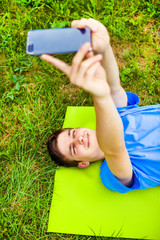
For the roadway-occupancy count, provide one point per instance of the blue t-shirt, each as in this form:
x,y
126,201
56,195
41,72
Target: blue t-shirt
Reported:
x,y
142,139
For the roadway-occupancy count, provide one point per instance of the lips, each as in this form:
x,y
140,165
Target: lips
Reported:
x,y
88,142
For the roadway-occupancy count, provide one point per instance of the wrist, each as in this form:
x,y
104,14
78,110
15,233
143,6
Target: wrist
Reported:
x,y
101,47
102,92
107,49
102,99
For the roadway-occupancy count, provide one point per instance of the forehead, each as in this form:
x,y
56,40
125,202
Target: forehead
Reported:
x,y
62,143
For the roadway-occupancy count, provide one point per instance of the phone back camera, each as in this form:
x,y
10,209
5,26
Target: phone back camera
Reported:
x,y
83,31
30,48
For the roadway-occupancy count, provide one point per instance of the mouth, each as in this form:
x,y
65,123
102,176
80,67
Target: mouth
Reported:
x,y
88,140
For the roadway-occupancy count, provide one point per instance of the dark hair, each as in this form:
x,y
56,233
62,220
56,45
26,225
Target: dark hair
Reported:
x,y
54,153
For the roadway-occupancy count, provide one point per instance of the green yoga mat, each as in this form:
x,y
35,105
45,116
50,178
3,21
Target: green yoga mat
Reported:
x,y
82,205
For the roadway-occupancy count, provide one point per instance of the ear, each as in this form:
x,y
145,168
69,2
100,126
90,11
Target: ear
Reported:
x,y
83,164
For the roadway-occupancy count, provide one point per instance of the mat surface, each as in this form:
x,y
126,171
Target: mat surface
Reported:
x,y
82,205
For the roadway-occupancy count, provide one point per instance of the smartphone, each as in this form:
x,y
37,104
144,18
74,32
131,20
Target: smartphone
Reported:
x,y
56,40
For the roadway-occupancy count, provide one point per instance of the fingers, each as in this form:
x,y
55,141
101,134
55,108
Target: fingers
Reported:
x,y
57,63
62,65
91,72
90,75
84,69
80,55
88,82
80,68
89,54
81,71
84,23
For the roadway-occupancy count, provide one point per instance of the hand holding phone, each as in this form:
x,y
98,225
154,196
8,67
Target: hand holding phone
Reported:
x,y
84,72
100,36
56,41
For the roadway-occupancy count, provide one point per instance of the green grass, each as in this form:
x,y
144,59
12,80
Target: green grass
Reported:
x,y
34,96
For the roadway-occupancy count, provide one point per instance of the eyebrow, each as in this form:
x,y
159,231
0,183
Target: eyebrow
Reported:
x,y
69,133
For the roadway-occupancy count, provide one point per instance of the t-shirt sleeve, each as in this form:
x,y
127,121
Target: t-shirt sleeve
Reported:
x,y
132,102
112,183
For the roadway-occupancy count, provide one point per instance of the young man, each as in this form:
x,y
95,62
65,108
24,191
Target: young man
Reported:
x,y
126,136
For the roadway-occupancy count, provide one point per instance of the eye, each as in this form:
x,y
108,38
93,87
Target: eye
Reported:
x,y
74,149
74,133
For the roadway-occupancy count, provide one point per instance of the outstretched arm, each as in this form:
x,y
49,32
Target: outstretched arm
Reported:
x,y
110,65
101,44
91,76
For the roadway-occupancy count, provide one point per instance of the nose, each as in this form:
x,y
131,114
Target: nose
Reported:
x,y
78,139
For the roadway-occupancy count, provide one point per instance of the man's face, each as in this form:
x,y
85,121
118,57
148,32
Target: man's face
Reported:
x,y
79,144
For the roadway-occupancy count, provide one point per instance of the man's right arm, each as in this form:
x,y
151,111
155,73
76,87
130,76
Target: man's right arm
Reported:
x,y
110,136
110,65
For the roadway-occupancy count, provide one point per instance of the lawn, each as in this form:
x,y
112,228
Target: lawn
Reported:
x,y
34,96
